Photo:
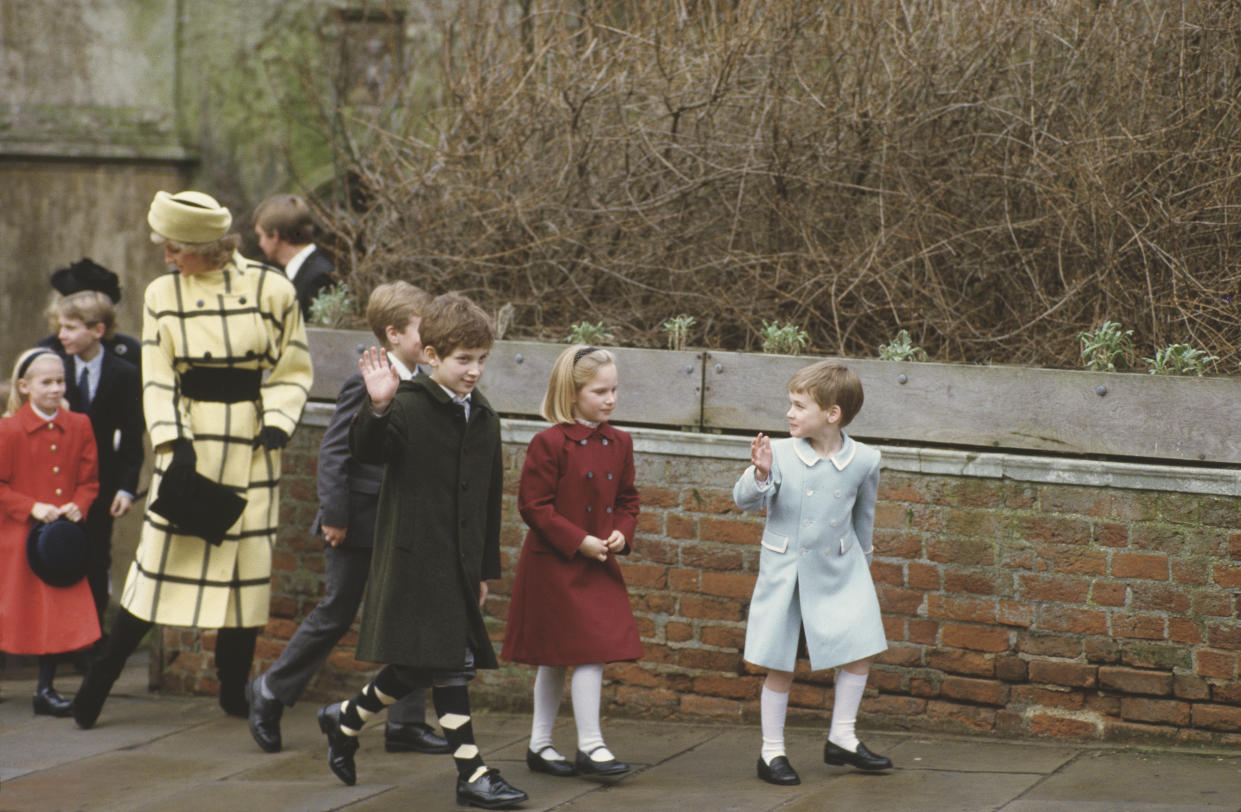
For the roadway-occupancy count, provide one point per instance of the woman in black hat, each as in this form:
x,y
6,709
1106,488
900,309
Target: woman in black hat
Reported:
x,y
225,374
47,472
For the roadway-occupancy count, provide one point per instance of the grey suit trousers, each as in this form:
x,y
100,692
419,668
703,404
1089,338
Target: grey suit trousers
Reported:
x,y
347,571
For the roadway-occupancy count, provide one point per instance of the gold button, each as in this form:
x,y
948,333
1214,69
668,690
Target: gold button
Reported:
x,y
53,446
59,491
50,426
55,469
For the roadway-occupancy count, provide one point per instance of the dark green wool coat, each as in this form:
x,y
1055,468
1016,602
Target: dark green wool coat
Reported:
x,y
437,533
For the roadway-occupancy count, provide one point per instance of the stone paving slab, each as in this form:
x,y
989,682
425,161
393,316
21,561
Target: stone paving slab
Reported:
x,y
1173,780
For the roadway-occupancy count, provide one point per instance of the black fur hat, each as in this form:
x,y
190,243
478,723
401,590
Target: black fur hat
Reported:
x,y
86,274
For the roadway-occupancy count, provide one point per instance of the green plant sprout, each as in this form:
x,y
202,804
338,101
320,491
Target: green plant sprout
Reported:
x,y
333,307
1180,359
1106,346
678,328
784,339
901,348
586,333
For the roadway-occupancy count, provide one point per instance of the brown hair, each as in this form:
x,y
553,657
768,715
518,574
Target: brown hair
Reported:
x,y
452,322
574,368
217,252
394,304
89,307
288,217
830,383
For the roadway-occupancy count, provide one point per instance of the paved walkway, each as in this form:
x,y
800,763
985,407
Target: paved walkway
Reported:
x,y
152,752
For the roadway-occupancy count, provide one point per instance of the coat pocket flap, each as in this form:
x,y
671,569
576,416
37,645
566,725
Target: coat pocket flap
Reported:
x,y
775,542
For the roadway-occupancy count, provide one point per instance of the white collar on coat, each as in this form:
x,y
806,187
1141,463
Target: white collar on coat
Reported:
x,y
806,453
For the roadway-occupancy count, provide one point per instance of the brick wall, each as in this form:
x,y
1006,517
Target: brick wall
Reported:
x,y
1020,608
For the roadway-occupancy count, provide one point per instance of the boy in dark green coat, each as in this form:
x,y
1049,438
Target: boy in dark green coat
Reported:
x,y
437,541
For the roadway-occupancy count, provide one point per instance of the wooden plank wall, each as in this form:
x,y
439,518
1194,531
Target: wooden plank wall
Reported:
x,y
1069,412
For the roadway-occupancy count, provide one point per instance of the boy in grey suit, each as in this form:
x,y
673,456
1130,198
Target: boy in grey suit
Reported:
x,y
348,499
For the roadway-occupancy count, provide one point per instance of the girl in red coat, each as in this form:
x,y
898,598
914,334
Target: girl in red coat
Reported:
x,y
569,604
47,471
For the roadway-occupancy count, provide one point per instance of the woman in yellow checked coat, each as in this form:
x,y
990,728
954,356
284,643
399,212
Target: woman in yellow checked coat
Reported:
x,y
226,373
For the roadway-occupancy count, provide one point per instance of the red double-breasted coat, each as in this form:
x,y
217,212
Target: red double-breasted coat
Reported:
x,y
567,609
51,461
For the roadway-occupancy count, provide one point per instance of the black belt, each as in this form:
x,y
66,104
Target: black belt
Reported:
x,y
221,384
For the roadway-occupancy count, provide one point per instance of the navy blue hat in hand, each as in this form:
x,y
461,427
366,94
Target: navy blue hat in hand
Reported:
x,y
86,274
58,552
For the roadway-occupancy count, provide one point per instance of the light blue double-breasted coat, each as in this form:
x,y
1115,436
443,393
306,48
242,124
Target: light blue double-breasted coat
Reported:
x,y
814,567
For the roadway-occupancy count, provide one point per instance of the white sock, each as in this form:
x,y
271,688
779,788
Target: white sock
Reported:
x,y
548,688
849,690
773,707
586,690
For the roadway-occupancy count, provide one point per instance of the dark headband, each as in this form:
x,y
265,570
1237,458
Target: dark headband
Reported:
x,y
582,353
30,359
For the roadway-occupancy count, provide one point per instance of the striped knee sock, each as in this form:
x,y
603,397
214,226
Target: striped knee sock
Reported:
x,y
452,705
379,693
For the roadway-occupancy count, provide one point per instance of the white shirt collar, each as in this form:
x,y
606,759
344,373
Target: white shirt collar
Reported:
x,y
295,264
42,415
403,372
807,454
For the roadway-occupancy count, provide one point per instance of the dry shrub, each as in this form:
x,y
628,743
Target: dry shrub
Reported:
x,y
994,177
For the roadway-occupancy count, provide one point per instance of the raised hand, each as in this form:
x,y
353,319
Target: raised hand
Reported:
x,y
380,377
760,456
594,547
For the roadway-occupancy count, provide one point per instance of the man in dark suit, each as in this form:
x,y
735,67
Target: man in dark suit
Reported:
x,y
286,229
86,274
109,391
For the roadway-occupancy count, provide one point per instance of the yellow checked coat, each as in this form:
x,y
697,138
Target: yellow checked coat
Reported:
x,y
244,316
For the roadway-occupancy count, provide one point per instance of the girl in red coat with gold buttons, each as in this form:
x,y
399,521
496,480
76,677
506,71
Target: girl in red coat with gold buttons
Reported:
x,y
47,471
570,605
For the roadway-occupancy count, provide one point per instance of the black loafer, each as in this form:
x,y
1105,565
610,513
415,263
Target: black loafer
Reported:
x,y
489,791
340,746
588,766
47,702
264,718
416,737
778,772
559,767
863,759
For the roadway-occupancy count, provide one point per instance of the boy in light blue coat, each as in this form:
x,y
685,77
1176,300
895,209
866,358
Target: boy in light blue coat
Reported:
x,y
819,490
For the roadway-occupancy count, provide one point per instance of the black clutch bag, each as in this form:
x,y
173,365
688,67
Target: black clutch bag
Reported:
x,y
197,506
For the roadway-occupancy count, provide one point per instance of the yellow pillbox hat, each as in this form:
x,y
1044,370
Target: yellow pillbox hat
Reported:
x,y
189,217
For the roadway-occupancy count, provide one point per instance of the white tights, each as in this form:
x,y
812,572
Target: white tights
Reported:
x,y
586,689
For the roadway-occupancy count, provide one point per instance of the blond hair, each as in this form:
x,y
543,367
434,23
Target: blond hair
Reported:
x,y
574,368
394,304
830,383
21,370
89,307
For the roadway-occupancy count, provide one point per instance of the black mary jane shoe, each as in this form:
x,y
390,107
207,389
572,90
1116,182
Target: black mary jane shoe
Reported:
x,y
588,766
778,772
47,702
264,716
559,767
340,746
863,759
489,791
415,737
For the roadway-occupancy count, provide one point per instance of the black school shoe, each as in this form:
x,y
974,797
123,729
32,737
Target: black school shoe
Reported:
x,y
47,702
588,766
559,767
863,759
489,791
778,772
415,737
264,717
340,746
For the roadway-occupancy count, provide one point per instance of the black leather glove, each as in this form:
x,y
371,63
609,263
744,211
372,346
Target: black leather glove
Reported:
x,y
183,455
271,438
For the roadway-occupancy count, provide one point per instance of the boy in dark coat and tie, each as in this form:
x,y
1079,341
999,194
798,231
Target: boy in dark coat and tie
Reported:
x,y
437,542
109,391
286,228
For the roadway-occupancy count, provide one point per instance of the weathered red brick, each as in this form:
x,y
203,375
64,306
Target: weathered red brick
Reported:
x,y
968,523
886,681
1159,598
1058,588
709,609
1012,668
1151,566
924,632
1050,645
1109,593
1074,499
708,500
1053,529
712,557
1111,535
1190,572
730,687
1139,627
659,497
898,706
1211,602
648,575
901,655
1042,697
727,661
920,575
1217,717
1014,613
723,636
978,638
1135,681
886,572
957,550
891,516
899,601
973,492
1062,727
680,580
979,691
890,544
1072,619
1234,546
1072,675
1073,560
970,581
678,526
677,632
728,584
974,610
1224,635
733,531
1187,686
1227,576
1215,664
971,717
897,488
955,661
